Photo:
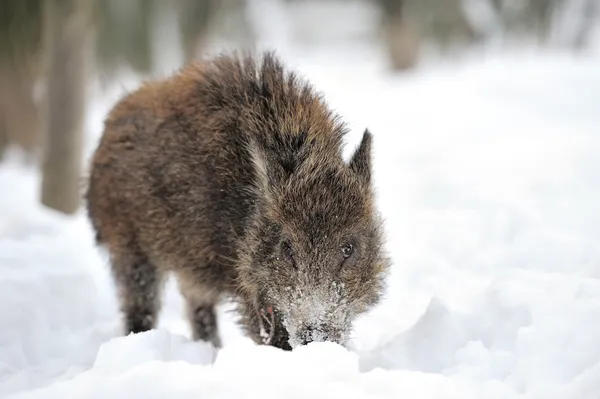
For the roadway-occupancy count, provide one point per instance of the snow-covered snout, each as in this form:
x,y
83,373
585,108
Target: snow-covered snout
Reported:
x,y
316,315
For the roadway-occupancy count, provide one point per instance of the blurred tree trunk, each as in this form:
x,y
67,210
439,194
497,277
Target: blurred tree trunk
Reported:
x,y
19,113
3,135
445,22
194,22
407,24
122,35
529,18
65,32
231,22
400,37
540,18
590,14
497,4
20,68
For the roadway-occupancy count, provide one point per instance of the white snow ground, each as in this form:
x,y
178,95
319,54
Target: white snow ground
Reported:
x,y
488,176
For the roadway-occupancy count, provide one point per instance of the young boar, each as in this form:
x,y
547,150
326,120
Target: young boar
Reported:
x,y
230,174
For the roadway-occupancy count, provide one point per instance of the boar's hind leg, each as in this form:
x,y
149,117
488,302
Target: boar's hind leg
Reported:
x,y
139,285
200,307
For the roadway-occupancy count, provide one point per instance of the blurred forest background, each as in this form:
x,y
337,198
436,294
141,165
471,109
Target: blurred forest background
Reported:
x,y
51,49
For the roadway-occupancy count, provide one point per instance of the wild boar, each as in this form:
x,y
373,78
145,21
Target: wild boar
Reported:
x,y
230,174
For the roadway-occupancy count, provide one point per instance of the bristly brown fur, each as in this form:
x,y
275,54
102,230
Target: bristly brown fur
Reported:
x,y
230,174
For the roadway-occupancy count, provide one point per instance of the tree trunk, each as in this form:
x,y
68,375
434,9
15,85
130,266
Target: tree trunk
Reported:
x,y
541,18
66,28
588,19
20,68
403,44
194,20
444,22
19,113
231,21
401,38
3,136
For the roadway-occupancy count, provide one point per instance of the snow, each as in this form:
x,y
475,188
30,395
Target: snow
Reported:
x,y
487,176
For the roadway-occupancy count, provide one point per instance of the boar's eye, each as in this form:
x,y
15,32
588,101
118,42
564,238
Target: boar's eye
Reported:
x,y
288,252
286,249
347,250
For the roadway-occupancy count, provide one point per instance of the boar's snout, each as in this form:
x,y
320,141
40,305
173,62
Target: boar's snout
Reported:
x,y
310,334
318,334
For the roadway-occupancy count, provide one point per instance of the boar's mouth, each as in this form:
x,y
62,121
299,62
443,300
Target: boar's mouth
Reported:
x,y
267,324
271,330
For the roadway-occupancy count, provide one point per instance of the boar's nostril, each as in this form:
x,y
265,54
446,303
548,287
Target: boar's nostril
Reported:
x,y
313,334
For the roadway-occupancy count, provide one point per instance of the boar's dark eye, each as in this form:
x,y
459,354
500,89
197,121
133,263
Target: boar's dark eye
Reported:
x,y
347,250
286,249
288,252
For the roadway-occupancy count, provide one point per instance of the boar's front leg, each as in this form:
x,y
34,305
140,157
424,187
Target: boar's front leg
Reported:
x,y
201,300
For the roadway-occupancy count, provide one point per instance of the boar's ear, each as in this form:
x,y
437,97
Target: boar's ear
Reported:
x,y
360,162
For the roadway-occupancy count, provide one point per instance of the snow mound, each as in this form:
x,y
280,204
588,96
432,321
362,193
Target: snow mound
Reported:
x,y
171,366
123,353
